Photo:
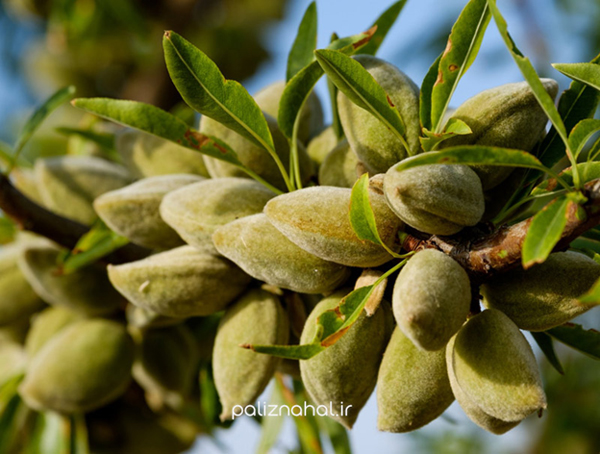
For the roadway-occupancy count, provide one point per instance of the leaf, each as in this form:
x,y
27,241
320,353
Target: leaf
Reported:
x,y
362,89
361,214
581,133
337,434
586,341
586,73
36,119
544,341
79,442
591,297
462,48
425,95
102,139
299,87
528,71
271,425
8,229
205,89
474,154
384,23
98,242
305,43
158,122
51,434
454,127
544,232
578,102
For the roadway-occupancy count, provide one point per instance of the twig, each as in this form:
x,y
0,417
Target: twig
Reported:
x,y
65,232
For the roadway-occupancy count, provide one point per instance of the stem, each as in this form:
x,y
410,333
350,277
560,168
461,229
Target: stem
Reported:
x,y
65,232
261,180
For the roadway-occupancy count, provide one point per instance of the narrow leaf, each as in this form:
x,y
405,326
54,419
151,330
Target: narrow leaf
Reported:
x,y
205,89
361,214
299,87
36,119
462,48
338,435
102,139
272,425
384,23
79,442
302,52
575,104
426,92
528,71
8,229
361,88
336,123
91,247
544,232
455,127
586,73
474,154
544,341
593,295
581,133
153,120
586,341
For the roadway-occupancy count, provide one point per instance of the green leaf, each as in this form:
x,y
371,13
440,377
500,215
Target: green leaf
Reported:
x,y
205,89
426,92
586,73
271,425
528,71
588,171
384,23
362,89
299,87
578,102
79,442
51,434
544,341
305,43
544,232
8,229
336,123
454,127
474,154
361,214
36,119
462,48
586,341
98,242
581,133
591,297
103,139
158,122
337,434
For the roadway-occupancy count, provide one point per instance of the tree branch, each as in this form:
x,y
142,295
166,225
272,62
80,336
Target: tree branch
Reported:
x,y
488,254
65,232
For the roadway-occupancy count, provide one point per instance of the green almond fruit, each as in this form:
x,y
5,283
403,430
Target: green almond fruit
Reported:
x,y
83,367
240,374
145,155
46,325
375,145
133,211
546,295
252,155
24,181
182,282
494,366
471,409
197,210
321,145
439,199
86,291
265,254
311,115
507,116
431,299
343,376
69,184
166,362
413,387
18,299
339,168
317,220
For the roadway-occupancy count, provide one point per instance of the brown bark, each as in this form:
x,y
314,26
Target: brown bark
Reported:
x,y
65,232
488,254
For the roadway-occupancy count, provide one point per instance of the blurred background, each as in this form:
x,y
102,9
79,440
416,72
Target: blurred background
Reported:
x,y
113,48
